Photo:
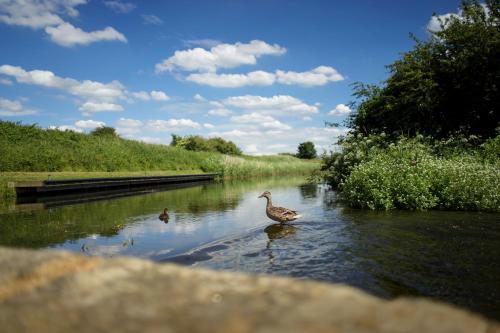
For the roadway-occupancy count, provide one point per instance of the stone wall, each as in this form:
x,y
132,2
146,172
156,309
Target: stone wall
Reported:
x,y
45,291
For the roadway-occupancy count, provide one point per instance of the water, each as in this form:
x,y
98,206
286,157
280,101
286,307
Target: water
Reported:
x,y
448,256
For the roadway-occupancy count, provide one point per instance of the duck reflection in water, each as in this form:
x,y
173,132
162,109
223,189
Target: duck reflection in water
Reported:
x,y
164,216
278,231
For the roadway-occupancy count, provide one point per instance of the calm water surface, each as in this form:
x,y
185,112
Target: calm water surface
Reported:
x,y
449,256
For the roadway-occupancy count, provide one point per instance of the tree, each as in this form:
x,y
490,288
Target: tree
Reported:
x,y
306,150
104,131
447,84
198,143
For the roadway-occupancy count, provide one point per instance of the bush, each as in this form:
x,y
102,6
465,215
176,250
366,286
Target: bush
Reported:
x,y
306,150
198,143
408,175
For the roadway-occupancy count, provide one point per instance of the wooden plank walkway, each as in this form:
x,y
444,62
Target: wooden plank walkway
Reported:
x,y
48,187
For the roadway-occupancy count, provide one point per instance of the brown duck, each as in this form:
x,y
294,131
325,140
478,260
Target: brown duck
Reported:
x,y
164,216
279,214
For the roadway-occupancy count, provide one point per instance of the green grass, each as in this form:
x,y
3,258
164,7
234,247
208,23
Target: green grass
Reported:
x,y
32,153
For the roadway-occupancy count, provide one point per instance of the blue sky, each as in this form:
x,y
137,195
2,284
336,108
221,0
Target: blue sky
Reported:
x,y
264,74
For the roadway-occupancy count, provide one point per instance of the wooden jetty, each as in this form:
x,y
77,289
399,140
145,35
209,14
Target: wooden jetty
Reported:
x,y
85,185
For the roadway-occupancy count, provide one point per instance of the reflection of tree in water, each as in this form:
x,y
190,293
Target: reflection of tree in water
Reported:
x,y
308,190
106,218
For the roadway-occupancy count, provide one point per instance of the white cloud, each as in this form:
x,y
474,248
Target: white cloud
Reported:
x,y
221,112
142,95
5,82
263,121
159,96
172,124
67,35
434,24
340,110
45,14
90,107
37,14
319,76
13,108
199,98
89,124
120,7
66,128
306,118
127,122
97,96
219,56
278,103
209,126
256,78
151,19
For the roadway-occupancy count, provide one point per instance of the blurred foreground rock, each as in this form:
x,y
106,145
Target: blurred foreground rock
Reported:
x,y
43,291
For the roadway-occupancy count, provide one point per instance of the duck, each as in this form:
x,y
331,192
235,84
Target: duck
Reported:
x,y
164,216
278,214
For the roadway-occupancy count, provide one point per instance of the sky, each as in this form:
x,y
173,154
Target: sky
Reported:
x,y
265,74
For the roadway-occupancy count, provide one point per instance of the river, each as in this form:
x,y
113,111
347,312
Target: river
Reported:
x,y
447,256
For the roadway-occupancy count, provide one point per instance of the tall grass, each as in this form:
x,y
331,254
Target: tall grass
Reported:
x,y
30,153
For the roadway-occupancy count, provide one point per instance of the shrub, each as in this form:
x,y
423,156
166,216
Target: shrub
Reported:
x,y
306,150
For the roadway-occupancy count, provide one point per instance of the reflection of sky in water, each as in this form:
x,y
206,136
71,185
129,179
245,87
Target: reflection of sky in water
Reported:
x,y
146,236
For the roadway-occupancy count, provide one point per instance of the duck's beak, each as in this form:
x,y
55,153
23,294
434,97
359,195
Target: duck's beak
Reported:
x,y
261,196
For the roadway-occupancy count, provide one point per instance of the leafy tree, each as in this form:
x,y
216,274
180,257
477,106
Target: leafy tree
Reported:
x,y
104,131
306,150
447,84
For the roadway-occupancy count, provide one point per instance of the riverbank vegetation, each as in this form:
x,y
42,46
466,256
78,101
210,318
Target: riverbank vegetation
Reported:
x,y
428,137
32,153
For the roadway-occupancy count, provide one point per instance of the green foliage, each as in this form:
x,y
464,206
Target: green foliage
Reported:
x,y
445,85
418,173
198,143
306,150
104,131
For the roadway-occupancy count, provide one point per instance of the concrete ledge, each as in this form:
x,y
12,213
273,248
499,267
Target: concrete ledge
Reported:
x,y
44,291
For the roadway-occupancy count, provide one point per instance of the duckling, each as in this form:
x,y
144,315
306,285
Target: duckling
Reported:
x,y
164,216
279,214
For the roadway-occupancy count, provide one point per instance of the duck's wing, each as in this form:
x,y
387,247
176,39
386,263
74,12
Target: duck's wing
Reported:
x,y
284,212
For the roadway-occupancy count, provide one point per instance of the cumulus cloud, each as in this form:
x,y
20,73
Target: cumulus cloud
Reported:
x,y
97,96
438,22
67,35
120,7
10,108
46,14
219,56
91,107
159,96
256,78
150,19
209,126
172,124
220,112
127,122
261,120
89,124
66,128
199,98
340,110
206,42
319,76
278,103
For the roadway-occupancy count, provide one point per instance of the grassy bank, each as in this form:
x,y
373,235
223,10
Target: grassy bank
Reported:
x,y
32,153
420,173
